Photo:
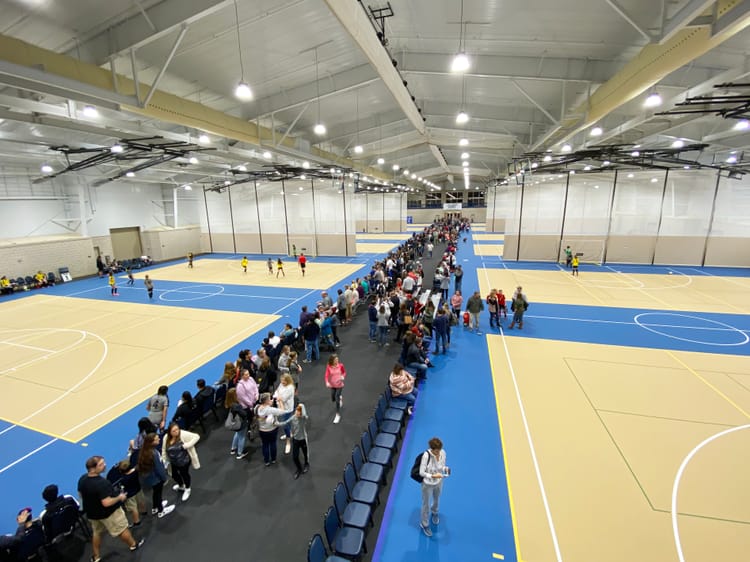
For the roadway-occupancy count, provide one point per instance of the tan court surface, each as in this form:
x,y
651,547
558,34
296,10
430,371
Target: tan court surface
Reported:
x,y
392,236
698,293
488,237
317,275
69,366
610,427
373,248
488,249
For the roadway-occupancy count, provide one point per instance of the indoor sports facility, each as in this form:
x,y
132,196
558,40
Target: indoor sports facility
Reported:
x,y
181,180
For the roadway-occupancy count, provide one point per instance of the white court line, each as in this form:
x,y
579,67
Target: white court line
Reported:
x,y
594,320
13,344
532,450
727,278
53,352
678,477
27,455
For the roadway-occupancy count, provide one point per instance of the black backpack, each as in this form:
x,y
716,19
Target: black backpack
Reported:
x,y
415,468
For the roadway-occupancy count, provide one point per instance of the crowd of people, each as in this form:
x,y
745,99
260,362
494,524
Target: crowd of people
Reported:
x,y
261,388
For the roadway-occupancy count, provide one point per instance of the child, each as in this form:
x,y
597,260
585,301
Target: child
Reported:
x,y
244,264
270,266
113,285
575,266
501,306
295,369
131,279
279,268
149,287
190,260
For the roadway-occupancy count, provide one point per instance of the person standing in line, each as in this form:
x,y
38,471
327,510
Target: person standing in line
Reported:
x,y
574,265
131,279
456,302
383,319
432,470
334,378
101,504
268,427
440,327
494,311
113,284
458,276
280,268
124,477
153,474
568,256
157,407
518,306
179,448
149,287
284,396
269,263
244,264
190,260
445,286
234,408
475,306
502,308
298,425
302,260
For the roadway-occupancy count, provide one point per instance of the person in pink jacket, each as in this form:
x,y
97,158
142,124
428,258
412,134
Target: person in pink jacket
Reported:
x,y
335,375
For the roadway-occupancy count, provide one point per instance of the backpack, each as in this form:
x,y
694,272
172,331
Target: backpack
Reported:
x,y
415,468
233,422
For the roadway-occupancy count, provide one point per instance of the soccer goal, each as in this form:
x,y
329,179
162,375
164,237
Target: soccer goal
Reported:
x,y
301,244
588,251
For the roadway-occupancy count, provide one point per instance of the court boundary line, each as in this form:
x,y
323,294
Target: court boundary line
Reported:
x,y
532,449
678,478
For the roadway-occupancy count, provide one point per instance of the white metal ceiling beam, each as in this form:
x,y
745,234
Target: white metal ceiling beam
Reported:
x,y
355,21
628,18
130,34
535,103
333,85
683,17
163,69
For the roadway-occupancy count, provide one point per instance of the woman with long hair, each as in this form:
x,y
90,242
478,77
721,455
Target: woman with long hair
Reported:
x,y
179,447
236,409
144,428
227,377
187,410
268,427
402,385
334,378
153,475
284,396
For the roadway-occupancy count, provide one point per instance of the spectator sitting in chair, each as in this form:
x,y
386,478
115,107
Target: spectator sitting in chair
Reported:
x,y
55,501
187,409
40,279
6,287
9,543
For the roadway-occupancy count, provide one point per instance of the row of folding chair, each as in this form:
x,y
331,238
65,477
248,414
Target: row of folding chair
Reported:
x,y
346,522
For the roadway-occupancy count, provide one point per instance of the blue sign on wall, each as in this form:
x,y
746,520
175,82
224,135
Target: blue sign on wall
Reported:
x,y
409,219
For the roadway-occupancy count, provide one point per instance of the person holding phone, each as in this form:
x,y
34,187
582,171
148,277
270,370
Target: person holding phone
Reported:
x,y
432,470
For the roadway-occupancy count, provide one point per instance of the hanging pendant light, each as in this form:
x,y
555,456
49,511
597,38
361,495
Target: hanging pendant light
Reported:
x,y
461,62
319,128
242,92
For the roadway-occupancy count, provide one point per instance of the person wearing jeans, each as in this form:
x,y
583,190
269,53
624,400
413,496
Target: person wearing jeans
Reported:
x,y
402,386
432,470
475,306
383,319
334,379
153,474
298,425
236,409
268,427
440,327
284,396
372,317
415,359
311,332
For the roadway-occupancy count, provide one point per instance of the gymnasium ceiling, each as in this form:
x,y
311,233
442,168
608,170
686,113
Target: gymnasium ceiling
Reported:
x,y
542,74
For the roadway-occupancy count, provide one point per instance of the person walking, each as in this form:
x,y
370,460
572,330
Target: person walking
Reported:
x,y
302,261
334,379
101,504
113,284
458,277
179,448
153,475
244,264
269,263
131,279
236,411
280,268
475,306
298,425
432,469
149,287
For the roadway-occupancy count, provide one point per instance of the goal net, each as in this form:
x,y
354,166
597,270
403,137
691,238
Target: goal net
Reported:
x,y
301,244
588,251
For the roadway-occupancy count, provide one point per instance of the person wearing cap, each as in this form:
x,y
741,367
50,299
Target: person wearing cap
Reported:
x,y
101,504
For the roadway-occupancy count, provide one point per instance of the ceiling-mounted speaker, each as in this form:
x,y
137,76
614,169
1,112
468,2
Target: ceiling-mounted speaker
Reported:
x,y
395,62
406,84
413,99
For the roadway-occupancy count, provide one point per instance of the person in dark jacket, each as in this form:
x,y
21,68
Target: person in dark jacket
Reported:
x,y
235,409
440,327
311,332
124,477
415,359
187,410
372,318
153,474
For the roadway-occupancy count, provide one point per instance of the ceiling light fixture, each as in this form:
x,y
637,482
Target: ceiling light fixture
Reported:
x,y
305,164
463,142
319,128
242,168
635,154
187,187
267,155
464,156
462,117
130,174
358,149
203,138
679,143
631,176
653,100
381,160
732,160
606,163
566,148
193,160
741,125
396,167
242,91
586,168
47,169
116,148
90,111
460,62
547,158
596,132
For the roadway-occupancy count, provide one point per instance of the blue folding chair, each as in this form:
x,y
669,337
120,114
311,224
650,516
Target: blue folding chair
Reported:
x,y
390,413
380,439
378,455
360,491
316,551
398,403
351,514
384,425
343,541
369,471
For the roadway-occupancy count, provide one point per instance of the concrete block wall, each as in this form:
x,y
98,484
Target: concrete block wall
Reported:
x,y
25,256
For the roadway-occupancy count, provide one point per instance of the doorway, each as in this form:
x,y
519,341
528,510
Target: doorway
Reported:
x,y
126,242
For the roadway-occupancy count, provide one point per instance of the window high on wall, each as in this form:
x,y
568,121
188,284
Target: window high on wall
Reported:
x,y
476,199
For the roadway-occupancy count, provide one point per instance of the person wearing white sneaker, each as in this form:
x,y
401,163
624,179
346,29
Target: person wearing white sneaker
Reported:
x,y
179,448
432,470
334,379
152,473
284,396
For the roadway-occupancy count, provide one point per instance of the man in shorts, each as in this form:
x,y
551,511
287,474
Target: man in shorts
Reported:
x,y
302,260
101,504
